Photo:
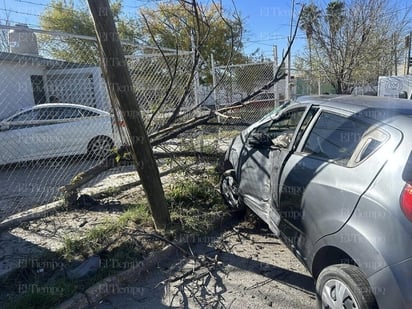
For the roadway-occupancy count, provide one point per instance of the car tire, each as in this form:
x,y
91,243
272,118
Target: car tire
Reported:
x,y
100,147
350,282
229,190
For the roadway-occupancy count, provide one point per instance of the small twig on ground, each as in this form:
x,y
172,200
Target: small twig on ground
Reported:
x,y
239,233
159,237
259,284
206,262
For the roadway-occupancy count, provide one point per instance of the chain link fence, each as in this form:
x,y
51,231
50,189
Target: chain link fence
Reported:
x,y
56,117
57,120
57,124
237,82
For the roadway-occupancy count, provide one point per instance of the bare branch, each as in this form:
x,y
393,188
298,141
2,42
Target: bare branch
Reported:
x,y
171,74
180,128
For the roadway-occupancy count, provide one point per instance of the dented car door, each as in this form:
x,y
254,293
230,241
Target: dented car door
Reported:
x,y
261,161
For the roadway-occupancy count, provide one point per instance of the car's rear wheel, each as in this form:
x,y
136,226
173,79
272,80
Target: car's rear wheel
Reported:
x,y
344,286
100,147
230,190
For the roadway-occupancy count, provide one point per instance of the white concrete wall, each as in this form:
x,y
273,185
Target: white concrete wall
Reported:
x,y
16,91
392,86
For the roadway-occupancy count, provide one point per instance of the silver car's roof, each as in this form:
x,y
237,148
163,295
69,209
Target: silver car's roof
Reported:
x,y
358,102
378,108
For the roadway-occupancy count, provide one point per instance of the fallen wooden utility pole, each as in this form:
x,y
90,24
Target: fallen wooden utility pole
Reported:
x,y
122,97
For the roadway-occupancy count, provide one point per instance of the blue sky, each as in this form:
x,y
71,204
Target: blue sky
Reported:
x,y
267,22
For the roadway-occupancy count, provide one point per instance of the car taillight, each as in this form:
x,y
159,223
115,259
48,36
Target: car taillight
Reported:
x,y
406,201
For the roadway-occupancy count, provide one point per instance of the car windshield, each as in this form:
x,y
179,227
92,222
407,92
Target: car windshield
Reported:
x,y
277,109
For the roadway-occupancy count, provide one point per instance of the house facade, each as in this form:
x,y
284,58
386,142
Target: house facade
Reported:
x,y
27,80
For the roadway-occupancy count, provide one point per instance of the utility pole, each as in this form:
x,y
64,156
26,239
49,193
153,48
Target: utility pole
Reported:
x,y
408,42
395,52
275,68
196,83
288,93
122,97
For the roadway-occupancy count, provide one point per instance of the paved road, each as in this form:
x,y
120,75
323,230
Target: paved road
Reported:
x,y
26,186
252,270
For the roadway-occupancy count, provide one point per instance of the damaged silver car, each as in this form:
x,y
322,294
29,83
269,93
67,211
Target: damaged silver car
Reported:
x,y
332,177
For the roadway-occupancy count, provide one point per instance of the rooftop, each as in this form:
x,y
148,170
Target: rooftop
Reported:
x,y
25,59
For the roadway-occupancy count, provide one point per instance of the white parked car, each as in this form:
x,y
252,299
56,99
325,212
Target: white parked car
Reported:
x,y
55,130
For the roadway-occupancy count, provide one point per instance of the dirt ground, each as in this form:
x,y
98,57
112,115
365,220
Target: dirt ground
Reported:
x,y
242,266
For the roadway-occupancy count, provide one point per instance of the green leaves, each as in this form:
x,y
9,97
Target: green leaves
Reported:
x,y
64,16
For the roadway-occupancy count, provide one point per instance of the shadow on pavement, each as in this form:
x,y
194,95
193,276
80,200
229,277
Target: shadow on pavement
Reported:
x,y
213,282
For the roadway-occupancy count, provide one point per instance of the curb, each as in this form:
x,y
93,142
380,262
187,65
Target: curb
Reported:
x,y
29,215
111,284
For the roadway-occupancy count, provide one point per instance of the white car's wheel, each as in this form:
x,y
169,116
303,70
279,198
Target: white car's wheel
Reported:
x,y
344,286
100,147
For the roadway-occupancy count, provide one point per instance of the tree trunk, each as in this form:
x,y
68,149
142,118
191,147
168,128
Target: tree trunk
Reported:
x,y
122,97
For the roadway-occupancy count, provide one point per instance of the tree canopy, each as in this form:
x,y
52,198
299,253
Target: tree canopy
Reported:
x,y
64,16
352,41
177,25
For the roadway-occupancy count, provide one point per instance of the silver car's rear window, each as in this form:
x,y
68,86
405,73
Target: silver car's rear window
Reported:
x,y
335,137
407,171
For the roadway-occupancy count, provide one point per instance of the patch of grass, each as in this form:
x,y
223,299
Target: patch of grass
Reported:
x,y
193,205
40,283
123,257
98,236
92,242
72,247
29,288
101,237
201,191
137,213
38,300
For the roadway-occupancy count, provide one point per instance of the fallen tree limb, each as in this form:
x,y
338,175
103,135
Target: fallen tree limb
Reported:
x,y
61,205
197,154
70,190
217,113
181,125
